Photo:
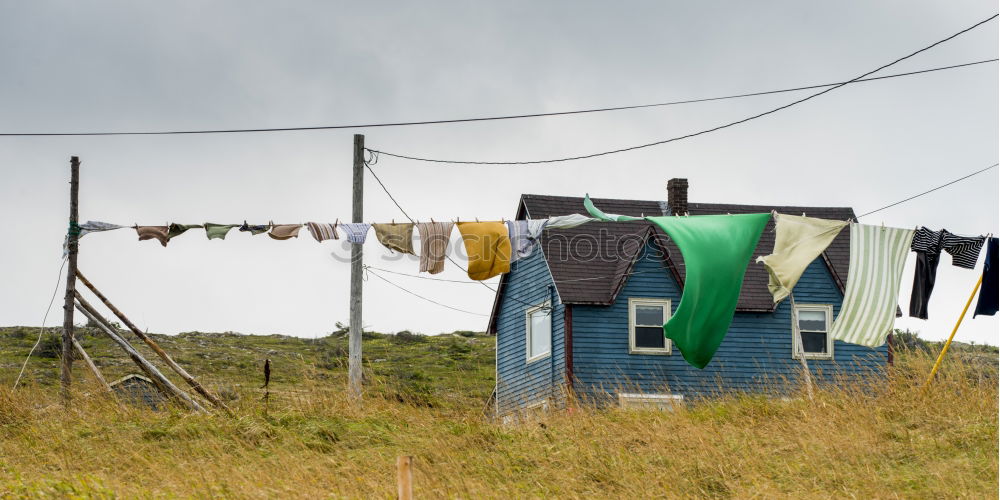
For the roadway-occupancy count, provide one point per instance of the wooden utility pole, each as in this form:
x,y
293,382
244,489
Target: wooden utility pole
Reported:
x,y
72,245
354,346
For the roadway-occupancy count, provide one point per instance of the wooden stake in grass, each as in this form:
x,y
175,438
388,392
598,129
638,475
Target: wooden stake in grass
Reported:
x,y
267,382
404,477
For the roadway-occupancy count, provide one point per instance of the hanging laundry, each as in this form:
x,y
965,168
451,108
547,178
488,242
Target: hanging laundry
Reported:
x,y
357,232
254,229
323,231
218,231
716,250
284,231
868,310
524,236
928,245
488,247
989,302
158,233
176,230
568,221
397,237
434,237
798,241
87,228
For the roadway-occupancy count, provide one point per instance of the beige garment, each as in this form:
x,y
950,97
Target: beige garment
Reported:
x,y
798,241
158,233
284,231
434,238
398,237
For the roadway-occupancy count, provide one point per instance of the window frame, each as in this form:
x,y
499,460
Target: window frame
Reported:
x,y
528,358
797,350
668,346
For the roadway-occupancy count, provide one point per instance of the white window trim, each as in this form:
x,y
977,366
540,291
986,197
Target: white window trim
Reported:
x,y
527,333
797,339
667,349
663,401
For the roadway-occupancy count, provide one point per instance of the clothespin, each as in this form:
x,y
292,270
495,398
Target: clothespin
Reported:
x,y
336,222
393,222
477,219
432,220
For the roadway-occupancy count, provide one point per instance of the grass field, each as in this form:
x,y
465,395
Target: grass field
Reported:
x,y
425,397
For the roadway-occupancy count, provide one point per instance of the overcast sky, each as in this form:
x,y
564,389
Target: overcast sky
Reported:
x,y
82,66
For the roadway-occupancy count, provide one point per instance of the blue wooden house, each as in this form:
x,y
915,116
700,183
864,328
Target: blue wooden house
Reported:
x,y
585,312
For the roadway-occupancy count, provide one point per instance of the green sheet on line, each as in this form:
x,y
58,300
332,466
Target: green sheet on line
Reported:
x,y
716,250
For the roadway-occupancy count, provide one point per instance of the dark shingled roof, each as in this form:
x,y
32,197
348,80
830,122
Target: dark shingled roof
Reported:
x,y
593,268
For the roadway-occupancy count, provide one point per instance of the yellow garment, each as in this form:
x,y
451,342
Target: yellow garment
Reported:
x,y
488,246
798,241
398,237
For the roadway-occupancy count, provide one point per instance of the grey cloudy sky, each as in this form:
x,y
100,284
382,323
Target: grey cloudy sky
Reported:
x,y
75,66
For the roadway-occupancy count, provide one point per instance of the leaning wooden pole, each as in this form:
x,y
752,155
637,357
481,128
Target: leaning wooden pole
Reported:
x,y
148,368
90,364
354,340
154,346
944,350
72,245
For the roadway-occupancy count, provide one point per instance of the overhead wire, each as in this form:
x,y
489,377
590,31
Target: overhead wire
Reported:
x,y
373,273
491,118
41,330
693,134
977,172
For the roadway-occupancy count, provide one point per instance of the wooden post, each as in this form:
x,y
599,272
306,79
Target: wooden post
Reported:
x,y
90,364
154,346
72,244
148,368
357,206
404,478
944,350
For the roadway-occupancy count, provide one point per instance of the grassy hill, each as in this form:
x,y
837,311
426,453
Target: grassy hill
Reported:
x,y
424,397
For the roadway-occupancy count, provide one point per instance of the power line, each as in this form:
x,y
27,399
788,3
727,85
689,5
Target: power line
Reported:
x,y
928,191
693,134
373,273
493,118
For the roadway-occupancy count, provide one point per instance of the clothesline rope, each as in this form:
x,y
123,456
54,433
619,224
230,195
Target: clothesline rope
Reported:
x,y
490,118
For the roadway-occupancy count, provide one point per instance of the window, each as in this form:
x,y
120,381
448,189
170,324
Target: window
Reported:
x,y
538,330
645,326
658,401
812,323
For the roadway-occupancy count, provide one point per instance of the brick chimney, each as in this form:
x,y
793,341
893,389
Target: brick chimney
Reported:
x,y
677,196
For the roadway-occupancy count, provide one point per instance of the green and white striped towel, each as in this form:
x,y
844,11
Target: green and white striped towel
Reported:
x,y
869,308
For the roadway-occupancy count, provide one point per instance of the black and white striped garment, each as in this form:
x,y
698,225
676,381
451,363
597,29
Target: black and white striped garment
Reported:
x,y
964,250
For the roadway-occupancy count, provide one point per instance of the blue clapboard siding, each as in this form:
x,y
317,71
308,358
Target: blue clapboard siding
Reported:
x,y
756,354
519,383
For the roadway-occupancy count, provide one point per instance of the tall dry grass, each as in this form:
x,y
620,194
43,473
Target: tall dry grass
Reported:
x,y
888,440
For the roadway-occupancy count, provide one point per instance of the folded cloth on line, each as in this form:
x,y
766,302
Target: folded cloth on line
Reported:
x,y
254,228
217,231
868,310
989,302
284,231
323,231
524,236
798,241
434,237
176,230
158,233
568,221
928,245
357,232
398,237
488,247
